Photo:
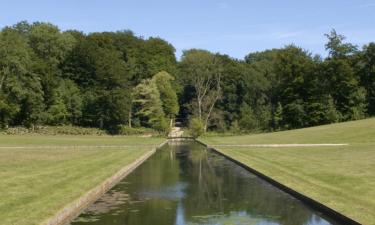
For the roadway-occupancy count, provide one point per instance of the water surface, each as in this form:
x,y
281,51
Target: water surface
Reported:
x,y
186,184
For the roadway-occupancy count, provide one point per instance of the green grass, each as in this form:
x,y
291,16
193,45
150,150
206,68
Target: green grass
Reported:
x,y
37,182
341,177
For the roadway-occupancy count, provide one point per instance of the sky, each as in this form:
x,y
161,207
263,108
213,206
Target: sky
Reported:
x,y
232,27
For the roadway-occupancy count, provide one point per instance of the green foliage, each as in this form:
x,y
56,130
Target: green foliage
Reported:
x,y
278,117
168,96
366,70
7,112
126,130
336,47
248,121
235,127
202,71
111,78
331,114
57,113
148,106
54,130
196,127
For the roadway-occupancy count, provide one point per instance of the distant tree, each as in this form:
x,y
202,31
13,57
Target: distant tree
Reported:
x,y
248,121
196,127
235,127
57,112
367,75
357,104
293,66
336,46
160,56
331,113
50,47
203,71
168,95
278,117
148,106
70,95
20,88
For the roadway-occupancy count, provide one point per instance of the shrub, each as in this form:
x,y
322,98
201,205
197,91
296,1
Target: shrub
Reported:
x,y
196,127
126,130
55,130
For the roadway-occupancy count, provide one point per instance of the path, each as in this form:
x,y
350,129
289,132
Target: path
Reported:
x,y
176,132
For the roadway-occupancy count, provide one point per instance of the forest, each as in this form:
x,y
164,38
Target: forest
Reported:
x,y
117,80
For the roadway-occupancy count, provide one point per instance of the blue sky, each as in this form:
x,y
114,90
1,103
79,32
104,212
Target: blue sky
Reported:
x,y
233,27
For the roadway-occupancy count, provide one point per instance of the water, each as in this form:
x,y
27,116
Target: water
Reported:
x,y
186,184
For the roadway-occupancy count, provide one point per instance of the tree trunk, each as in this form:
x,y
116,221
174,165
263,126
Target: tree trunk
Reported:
x,y
2,82
199,108
130,118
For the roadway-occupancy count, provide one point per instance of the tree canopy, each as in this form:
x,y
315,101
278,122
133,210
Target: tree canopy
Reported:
x,y
108,79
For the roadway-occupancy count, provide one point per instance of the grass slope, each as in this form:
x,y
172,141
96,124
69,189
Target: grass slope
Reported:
x,y
341,177
36,182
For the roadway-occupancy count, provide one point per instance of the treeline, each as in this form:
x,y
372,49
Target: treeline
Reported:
x,y
116,80
103,80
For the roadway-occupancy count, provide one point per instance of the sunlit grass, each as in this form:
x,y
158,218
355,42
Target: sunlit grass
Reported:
x,y
342,177
37,182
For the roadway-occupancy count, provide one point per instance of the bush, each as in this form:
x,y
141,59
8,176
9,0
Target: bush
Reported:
x,y
196,127
126,130
54,130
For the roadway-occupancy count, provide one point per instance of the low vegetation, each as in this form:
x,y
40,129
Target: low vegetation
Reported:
x,y
36,181
341,177
54,130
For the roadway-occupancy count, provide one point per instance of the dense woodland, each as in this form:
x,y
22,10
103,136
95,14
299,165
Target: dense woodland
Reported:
x,y
114,80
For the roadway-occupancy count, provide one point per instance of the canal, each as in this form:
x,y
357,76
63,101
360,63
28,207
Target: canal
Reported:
x,y
185,184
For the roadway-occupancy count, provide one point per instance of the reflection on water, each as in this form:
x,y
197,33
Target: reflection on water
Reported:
x,y
186,184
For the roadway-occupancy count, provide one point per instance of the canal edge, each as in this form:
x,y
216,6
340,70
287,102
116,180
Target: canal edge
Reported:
x,y
73,209
339,217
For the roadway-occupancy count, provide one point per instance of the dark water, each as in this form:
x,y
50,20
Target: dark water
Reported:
x,y
185,184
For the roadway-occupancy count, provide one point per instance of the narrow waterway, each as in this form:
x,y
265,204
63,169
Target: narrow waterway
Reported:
x,y
186,184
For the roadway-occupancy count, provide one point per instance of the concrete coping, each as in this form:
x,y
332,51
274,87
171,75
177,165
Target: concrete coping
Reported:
x,y
72,210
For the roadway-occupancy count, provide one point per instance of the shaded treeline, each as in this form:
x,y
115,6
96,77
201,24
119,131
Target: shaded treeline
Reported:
x,y
112,79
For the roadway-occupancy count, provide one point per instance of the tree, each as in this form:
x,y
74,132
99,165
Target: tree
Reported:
x,y
159,56
68,96
367,75
248,121
278,117
293,67
203,71
167,94
336,46
331,113
20,87
148,106
196,127
342,80
57,112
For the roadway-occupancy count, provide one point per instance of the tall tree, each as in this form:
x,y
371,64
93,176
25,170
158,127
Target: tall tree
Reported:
x,y
20,90
148,105
167,94
343,84
203,71
367,75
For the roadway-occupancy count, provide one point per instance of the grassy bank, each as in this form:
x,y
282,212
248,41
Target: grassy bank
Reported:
x,y
38,181
342,177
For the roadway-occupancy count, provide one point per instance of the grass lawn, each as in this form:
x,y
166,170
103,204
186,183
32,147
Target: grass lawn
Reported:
x,y
342,177
36,182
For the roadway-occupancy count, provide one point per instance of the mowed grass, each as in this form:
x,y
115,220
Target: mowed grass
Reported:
x,y
36,182
341,177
